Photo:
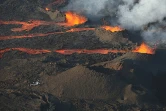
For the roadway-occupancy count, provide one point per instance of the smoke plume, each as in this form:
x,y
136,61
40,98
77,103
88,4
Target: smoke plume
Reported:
x,y
138,14
130,14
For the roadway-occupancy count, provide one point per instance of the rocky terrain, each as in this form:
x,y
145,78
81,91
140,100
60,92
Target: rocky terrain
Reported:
x,y
88,68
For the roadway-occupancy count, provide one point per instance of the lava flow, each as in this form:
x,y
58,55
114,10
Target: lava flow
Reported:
x,y
73,19
27,26
26,50
29,36
44,34
85,51
113,29
47,9
143,48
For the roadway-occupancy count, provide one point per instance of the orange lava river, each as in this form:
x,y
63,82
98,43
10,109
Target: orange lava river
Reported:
x,y
50,33
141,49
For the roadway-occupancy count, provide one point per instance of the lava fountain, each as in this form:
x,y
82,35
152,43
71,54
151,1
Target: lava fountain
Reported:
x,y
143,48
112,29
73,19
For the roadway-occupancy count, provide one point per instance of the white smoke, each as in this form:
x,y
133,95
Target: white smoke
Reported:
x,y
137,15
93,8
89,7
131,14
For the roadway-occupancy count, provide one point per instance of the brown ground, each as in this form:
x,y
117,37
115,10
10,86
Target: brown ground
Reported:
x,y
77,82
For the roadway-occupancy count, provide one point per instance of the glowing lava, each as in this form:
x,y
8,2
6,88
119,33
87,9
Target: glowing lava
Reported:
x,y
43,34
27,26
26,50
113,29
47,9
73,19
143,48
28,36
85,51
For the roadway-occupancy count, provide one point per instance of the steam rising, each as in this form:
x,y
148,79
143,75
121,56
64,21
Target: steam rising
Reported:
x,y
136,15
89,7
130,14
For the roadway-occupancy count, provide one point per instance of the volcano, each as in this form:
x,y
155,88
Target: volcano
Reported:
x,y
56,59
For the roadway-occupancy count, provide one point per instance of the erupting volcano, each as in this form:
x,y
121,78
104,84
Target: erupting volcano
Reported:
x,y
53,57
113,29
141,49
73,19
144,49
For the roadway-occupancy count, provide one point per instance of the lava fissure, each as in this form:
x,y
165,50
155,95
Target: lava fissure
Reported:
x,y
27,26
143,48
26,50
51,33
112,29
73,19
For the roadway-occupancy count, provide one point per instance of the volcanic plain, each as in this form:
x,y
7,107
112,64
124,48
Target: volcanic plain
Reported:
x,y
52,60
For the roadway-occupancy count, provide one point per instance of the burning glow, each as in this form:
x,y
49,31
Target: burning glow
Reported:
x,y
26,50
2,51
73,19
47,9
43,34
112,29
28,36
144,49
27,26
85,51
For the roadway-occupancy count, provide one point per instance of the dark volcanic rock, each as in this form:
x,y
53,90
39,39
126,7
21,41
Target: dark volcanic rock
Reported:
x,y
82,83
111,37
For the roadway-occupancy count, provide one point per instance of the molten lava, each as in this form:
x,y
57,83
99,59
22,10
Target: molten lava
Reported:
x,y
143,48
26,50
28,36
113,29
85,51
47,9
73,19
44,34
27,26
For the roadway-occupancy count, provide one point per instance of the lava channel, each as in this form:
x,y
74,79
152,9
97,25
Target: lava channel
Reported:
x,y
26,50
85,51
27,26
